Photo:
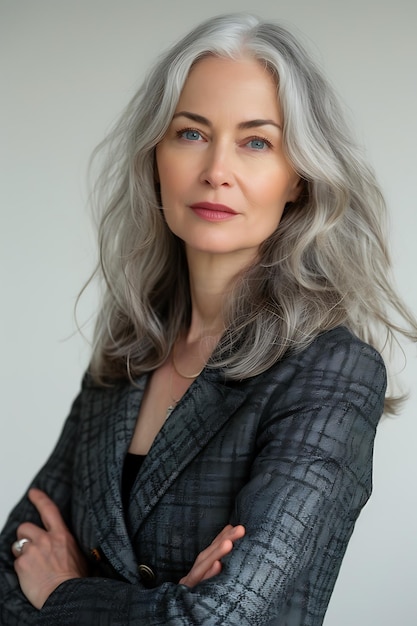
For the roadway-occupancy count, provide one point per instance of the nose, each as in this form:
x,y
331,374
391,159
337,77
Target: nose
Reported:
x,y
217,168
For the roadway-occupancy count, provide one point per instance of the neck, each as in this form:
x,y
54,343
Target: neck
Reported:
x,y
211,280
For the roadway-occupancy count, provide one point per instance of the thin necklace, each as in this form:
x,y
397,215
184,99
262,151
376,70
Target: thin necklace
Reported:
x,y
187,376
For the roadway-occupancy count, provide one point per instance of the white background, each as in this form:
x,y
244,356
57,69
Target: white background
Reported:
x,y
67,69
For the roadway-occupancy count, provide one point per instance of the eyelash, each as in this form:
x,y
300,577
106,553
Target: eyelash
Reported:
x,y
260,138
180,132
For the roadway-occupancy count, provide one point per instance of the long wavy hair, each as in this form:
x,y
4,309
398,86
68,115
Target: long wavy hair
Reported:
x,y
326,264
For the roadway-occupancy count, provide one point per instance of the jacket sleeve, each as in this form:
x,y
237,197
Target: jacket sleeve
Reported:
x,y
55,479
309,481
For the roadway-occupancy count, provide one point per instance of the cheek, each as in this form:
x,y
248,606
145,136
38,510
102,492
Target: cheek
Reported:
x,y
167,185
172,178
273,191
270,194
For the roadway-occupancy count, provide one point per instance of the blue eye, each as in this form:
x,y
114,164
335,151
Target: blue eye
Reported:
x,y
190,135
258,144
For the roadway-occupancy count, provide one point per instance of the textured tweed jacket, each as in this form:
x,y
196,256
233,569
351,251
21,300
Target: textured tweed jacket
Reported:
x,y
288,454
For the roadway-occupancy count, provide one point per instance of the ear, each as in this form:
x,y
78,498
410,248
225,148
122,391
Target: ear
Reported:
x,y
296,190
300,192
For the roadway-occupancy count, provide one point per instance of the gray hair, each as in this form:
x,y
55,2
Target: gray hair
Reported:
x,y
325,265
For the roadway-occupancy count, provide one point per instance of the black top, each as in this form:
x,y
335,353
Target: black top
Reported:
x,y
131,468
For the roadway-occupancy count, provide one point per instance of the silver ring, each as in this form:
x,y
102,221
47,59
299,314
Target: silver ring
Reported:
x,y
17,547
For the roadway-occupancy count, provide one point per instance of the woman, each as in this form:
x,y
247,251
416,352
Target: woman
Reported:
x,y
213,466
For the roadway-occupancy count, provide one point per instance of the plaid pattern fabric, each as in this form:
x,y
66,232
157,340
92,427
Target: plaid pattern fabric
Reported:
x,y
288,454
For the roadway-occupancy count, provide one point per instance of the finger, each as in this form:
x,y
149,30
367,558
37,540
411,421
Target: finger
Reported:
x,y
230,532
214,570
47,509
220,546
226,530
208,562
237,533
206,559
192,579
240,530
29,530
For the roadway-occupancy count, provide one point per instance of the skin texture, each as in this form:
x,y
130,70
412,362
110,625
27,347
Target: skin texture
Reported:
x,y
51,557
216,151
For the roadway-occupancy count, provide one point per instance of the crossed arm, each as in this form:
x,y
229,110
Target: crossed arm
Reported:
x,y
52,555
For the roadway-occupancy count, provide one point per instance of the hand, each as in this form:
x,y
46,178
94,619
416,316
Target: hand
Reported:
x,y
50,557
208,562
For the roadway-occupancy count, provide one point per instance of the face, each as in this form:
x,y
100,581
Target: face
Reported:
x,y
223,173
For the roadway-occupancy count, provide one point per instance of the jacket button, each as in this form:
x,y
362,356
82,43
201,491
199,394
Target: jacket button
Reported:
x,y
147,575
95,553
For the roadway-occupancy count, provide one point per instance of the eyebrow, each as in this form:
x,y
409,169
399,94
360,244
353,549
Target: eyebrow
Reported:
x,y
242,125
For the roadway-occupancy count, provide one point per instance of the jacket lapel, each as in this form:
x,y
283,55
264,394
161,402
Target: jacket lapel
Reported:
x,y
110,417
203,410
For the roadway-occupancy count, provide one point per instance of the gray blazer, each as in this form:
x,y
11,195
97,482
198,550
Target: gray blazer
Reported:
x,y
288,454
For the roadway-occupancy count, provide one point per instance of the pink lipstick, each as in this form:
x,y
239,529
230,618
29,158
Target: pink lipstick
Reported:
x,y
213,212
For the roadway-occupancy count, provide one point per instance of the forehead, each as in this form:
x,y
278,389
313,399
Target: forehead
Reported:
x,y
243,82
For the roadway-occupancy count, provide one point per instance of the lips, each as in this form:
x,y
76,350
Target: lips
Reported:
x,y
213,212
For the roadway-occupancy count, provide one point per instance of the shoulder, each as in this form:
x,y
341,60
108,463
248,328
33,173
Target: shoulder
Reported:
x,y
336,372
340,343
339,354
334,359
328,399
